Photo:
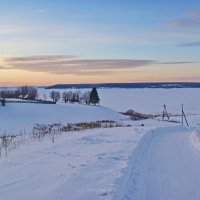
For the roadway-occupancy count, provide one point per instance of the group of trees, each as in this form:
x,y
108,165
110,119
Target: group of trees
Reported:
x,y
31,93
55,96
24,92
76,97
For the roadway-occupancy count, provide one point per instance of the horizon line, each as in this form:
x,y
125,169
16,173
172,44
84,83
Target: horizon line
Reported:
x,y
103,83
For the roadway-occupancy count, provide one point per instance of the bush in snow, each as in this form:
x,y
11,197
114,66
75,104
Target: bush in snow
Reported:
x,y
5,142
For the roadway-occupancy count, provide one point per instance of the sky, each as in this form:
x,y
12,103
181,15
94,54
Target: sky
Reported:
x,y
45,42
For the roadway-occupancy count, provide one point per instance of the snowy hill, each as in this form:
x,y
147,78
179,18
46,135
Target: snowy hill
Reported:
x,y
20,117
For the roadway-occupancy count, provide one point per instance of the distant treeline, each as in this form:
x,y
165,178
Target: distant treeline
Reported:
x,y
24,92
31,93
126,85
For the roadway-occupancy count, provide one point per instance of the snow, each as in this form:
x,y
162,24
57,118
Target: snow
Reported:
x,y
152,100
164,166
145,100
159,160
18,118
195,138
76,166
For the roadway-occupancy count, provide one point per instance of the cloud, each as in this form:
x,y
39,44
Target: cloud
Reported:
x,y
190,44
191,20
39,58
9,30
40,10
182,31
176,63
2,67
68,64
184,23
188,78
195,15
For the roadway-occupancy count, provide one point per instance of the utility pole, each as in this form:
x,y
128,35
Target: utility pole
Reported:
x,y
183,116
165,113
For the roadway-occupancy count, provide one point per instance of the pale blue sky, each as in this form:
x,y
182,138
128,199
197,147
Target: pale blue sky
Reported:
x,y
163,31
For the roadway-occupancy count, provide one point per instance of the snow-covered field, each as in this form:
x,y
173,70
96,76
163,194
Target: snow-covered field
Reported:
x,y
159,160
145,100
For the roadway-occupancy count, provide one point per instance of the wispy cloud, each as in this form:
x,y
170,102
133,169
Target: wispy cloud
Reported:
x,y
5,30
176,63
190,44
183,31
191,20
195,15
2,67
69,64
39,58
188,78
184,23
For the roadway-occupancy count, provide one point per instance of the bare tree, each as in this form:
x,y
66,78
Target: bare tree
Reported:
x,y
85,97
52,95
17,93
69,96
65,97
55,96
44,97
3,94
75,97
32,93
24,90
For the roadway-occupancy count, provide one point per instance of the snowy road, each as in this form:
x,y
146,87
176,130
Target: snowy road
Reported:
x,y
164,166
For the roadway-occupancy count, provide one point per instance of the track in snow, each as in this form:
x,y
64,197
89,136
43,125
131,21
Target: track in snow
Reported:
x,y
165,166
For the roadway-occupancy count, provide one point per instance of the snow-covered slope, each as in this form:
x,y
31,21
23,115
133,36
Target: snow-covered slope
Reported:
x,y
78,166
20,117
